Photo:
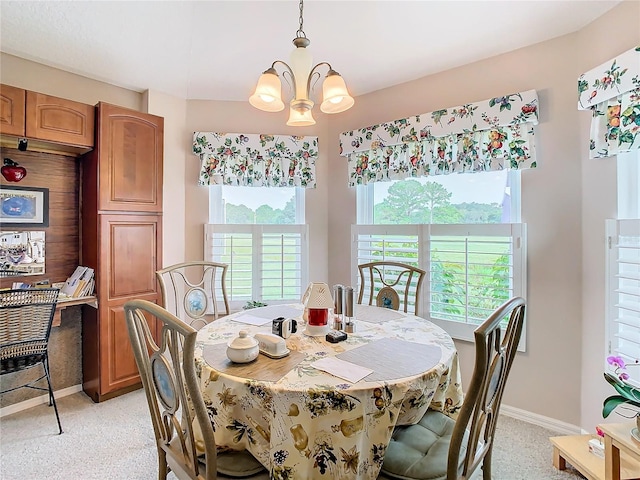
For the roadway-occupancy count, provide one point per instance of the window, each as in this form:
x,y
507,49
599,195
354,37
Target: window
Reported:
x,y
456,227
264,205
623,268
260,233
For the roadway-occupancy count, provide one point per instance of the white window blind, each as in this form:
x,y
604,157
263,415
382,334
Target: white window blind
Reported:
x,y
376,243
471,269
266,262
281,265
623,292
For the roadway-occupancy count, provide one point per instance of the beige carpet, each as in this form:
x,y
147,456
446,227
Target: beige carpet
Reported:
x,y
114,440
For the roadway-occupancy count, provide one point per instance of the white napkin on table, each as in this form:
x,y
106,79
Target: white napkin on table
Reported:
x,y
349,371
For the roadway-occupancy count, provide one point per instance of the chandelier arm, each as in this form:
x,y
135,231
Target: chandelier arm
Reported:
x,y
312,73
287,69
285,65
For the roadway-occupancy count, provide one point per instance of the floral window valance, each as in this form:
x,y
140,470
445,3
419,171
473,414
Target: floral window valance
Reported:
x,y
255,160
612,92
490,135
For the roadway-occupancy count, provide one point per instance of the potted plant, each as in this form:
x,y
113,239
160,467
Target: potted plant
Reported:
x,y
628,395
253,304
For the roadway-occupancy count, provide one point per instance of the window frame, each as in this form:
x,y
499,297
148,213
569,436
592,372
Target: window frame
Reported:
x,y
256,230
627,223
458,330
424,234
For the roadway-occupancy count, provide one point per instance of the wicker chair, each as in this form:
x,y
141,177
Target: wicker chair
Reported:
x,y
167,371
390,284
439,448
25,325
192,291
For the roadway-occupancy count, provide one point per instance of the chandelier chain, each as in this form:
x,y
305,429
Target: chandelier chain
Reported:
x,y
300,33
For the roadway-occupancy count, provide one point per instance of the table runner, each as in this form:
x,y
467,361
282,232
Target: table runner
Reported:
x,y
263,368
409,358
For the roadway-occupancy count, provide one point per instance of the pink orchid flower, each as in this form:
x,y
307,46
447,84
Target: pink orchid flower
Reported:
x,y
616,360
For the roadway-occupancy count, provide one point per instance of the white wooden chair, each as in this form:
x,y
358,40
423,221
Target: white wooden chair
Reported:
x,y
168,373
439,448
195,292
390,284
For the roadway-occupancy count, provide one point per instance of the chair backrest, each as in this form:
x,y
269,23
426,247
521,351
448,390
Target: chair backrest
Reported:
x,y
495,352
167,371
25,324
390,284
195,291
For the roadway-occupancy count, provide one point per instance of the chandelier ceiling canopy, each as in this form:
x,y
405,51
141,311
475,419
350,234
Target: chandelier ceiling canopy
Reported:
x,y
268,93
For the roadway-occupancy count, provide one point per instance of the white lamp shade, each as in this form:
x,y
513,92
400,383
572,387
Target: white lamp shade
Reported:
x,y
318,295
268,94
335,97
300,119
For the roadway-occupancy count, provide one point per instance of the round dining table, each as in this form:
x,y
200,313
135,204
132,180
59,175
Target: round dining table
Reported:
x,y
302,422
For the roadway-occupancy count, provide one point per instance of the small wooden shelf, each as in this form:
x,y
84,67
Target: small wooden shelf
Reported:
x,y
575,450
621,452
64,302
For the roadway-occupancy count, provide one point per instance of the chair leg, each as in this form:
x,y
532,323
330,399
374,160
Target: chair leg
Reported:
x,y
486,465
52,399
163,469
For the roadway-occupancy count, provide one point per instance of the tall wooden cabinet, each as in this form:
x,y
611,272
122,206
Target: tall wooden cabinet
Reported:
x,y
121,239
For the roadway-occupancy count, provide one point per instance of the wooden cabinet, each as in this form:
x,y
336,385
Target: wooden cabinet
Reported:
x,y
50,124
132,179
59,120
12,105
121,240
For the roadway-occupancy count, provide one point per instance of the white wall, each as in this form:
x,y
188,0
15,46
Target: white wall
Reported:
x,y
52,81
549,379
174,111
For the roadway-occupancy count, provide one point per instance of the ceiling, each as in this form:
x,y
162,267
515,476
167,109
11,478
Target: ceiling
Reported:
x,y
217,49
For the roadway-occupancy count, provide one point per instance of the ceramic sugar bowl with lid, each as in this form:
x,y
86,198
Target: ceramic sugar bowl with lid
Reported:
x,y
243,348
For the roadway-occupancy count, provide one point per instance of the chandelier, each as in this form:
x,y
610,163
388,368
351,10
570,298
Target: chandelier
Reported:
x,y
268,93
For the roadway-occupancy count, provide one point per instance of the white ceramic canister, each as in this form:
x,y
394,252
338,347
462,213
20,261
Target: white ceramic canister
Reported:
x,y
243,348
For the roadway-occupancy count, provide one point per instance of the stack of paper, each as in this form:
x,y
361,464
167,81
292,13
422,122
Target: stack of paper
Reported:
x,y
80,284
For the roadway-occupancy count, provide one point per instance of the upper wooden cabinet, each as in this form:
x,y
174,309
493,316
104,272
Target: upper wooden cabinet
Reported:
x,y
12,105
50,124
131,178
59,120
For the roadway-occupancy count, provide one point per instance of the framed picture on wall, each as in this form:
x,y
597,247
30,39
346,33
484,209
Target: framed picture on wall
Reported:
x,y
24,206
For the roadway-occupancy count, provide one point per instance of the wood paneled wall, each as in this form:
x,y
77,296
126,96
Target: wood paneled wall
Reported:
x,y
61,175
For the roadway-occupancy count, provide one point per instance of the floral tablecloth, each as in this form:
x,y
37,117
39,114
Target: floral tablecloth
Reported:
x,y
310,424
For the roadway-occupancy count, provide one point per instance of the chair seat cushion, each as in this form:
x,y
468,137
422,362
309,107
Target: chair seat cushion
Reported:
x,y
238,463
232,463
421,451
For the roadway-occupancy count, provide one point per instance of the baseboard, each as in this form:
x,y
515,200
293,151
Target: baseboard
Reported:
x,y
540,420
35,401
